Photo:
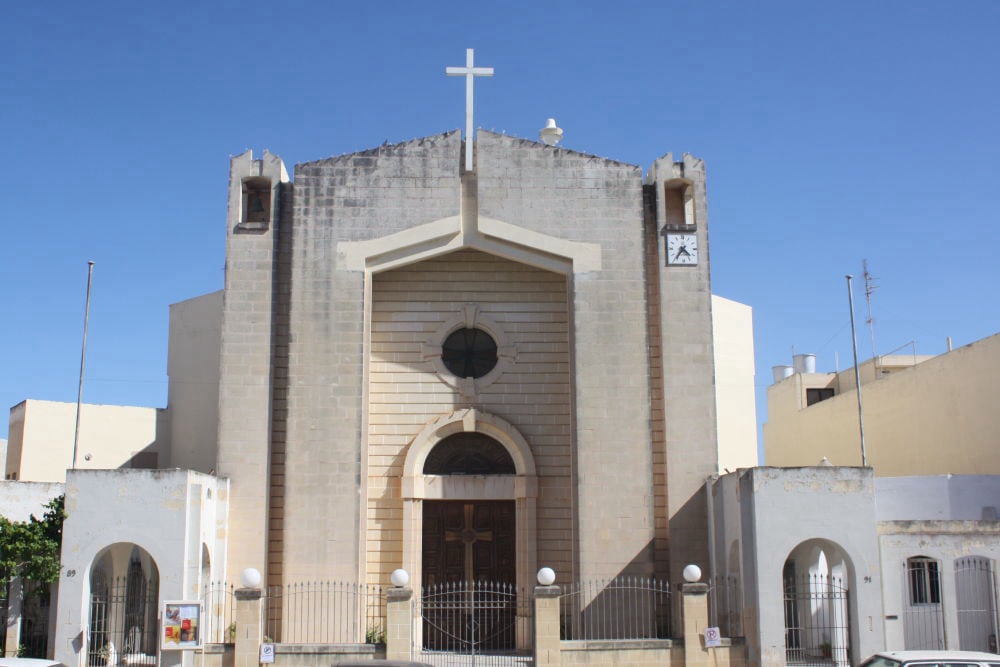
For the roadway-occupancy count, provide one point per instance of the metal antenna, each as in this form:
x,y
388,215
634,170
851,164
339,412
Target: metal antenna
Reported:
x,y
870,287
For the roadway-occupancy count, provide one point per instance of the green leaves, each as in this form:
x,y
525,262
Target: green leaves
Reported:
x,y
30,549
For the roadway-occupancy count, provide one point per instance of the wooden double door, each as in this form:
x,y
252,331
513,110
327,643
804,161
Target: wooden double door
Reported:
x,y
466,541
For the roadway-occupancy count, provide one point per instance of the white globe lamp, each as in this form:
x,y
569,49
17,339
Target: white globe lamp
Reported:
x,y
692,573
250,578
399,578
546,576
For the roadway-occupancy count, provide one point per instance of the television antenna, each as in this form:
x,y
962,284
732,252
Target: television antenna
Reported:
x,y
870,288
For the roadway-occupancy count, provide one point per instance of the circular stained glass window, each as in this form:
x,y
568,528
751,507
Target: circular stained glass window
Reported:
x,y
469,353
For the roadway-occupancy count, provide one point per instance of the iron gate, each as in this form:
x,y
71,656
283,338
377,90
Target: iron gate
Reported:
x,y
475,623
976,603
122,621
817,624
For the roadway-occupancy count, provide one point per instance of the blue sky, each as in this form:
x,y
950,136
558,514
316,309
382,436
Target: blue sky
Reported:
x,y
832,132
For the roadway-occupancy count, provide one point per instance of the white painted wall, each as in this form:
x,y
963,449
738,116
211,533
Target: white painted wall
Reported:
x,y
168,513
782,508
939,497
943,541
735,402
19,500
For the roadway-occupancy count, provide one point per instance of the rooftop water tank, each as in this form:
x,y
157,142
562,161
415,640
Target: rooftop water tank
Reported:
x,y
804,363
781,372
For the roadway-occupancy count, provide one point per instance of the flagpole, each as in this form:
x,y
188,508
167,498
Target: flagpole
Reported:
x,y
83,360
857,372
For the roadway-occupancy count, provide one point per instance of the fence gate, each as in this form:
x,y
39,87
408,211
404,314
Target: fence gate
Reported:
x,y
122,621
817,624
976,604
474,623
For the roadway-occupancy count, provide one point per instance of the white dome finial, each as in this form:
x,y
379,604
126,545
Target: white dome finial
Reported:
x,y
551,134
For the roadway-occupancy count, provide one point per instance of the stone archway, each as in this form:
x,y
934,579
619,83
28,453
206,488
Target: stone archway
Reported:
x,y
521,488
124,596
816,580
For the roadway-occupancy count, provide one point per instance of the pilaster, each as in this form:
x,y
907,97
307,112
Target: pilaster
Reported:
x,y
399,624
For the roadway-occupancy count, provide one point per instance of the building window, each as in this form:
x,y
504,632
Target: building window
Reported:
x,y
470,453
469,353
924,580
818,394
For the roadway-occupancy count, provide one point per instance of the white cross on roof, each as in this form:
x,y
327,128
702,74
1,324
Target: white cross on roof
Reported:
x,y
469,72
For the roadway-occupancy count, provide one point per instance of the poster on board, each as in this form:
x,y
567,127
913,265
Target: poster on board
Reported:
x,y
181,625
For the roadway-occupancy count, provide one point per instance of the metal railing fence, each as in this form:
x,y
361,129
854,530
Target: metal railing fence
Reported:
x,y
219,623
725,605
620,608
324,612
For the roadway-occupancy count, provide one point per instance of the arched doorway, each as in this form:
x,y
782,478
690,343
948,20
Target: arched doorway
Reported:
x,y
469,490
815,580
124,592
462,459
468,540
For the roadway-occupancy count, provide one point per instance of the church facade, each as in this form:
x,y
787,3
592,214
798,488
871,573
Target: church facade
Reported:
x,y
421,358
473,369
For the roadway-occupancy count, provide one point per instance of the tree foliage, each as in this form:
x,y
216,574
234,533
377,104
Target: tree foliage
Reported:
x,y
30,549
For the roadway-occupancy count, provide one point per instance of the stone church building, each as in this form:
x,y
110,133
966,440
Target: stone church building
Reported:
x,y
468,371
472,364
413,348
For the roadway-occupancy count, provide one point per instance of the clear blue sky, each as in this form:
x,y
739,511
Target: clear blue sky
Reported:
x,y
832,131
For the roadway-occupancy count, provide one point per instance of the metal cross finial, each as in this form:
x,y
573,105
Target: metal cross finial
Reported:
x,y
469,72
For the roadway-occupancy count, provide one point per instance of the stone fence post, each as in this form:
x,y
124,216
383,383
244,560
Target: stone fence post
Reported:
x,y
249,632
694,622
547,640
399,623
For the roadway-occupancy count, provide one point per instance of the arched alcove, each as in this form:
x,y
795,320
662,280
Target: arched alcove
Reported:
x,y
124,598
816,579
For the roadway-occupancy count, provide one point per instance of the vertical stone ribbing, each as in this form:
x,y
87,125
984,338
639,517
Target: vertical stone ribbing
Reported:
x,y
279,389
246,356
661,552
691,447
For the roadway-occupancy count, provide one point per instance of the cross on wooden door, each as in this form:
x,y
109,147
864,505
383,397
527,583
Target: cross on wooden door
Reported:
x,y
468,536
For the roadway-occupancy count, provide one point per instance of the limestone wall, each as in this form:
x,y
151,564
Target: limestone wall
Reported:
x,y
588,199
343,199
409,308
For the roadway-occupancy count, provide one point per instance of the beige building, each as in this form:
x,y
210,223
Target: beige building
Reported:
x,y
735,404
41,434
923,415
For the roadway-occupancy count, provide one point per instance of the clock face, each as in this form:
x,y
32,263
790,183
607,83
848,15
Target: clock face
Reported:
x,y
682,249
